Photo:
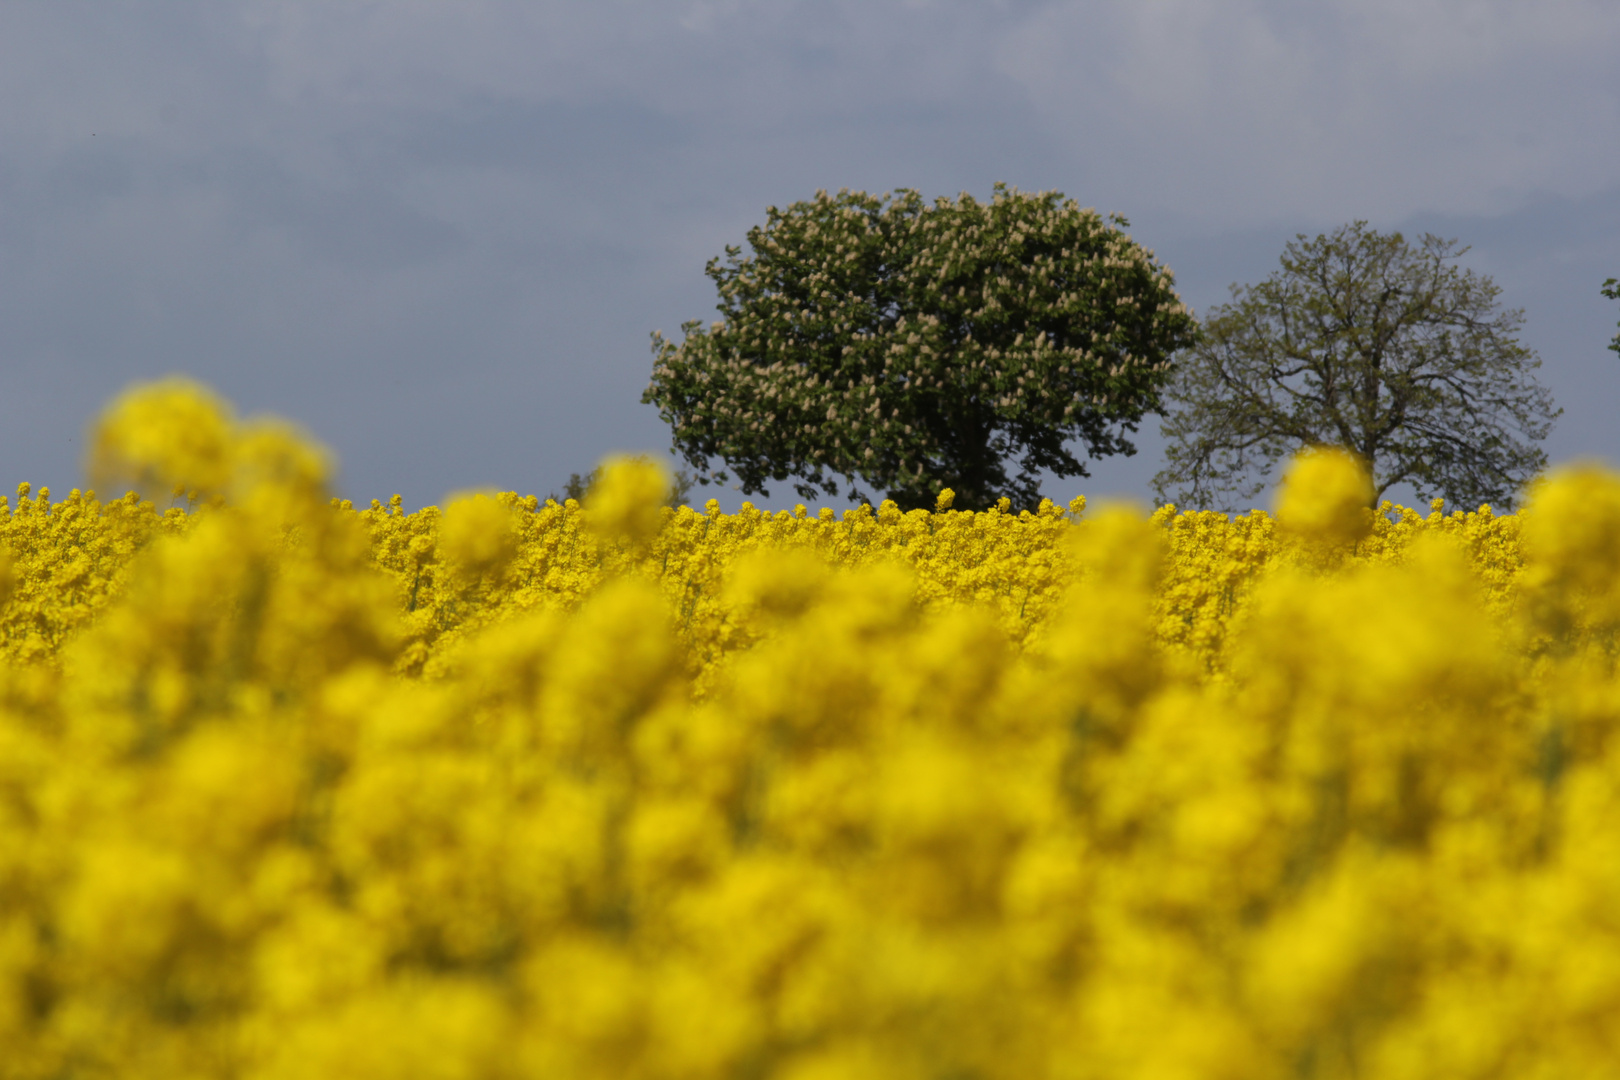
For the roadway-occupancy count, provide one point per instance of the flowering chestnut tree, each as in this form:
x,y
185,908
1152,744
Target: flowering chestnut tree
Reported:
x,y
883,342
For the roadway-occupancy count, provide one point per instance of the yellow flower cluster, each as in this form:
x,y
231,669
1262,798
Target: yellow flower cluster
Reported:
x,y
525,790
61,562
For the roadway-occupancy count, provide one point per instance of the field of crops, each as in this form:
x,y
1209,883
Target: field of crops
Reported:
x,y
293,788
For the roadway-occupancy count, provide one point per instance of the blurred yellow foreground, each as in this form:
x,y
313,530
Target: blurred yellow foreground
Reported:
x,y
290,789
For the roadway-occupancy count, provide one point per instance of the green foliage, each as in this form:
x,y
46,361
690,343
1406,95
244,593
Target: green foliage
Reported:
x,y
579,487
1611,289
1366,342
911,347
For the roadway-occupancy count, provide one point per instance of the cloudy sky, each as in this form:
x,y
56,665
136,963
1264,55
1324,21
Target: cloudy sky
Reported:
x,y
439,234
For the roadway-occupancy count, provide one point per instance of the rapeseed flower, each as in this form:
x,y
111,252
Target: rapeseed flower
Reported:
x,y
627,499
173,435
520,789
479,534
1326,496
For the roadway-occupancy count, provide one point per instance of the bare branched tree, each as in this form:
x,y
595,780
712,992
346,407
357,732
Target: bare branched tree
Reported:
x,y
1366,342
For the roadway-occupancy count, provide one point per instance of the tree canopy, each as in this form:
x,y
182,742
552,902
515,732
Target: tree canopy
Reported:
x,y
1611,289
908,347
1365,341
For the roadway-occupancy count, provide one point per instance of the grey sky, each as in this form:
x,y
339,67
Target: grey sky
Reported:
x,y
439,234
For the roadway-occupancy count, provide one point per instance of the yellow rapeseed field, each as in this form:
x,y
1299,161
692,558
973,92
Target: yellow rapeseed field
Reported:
x,y
295,789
